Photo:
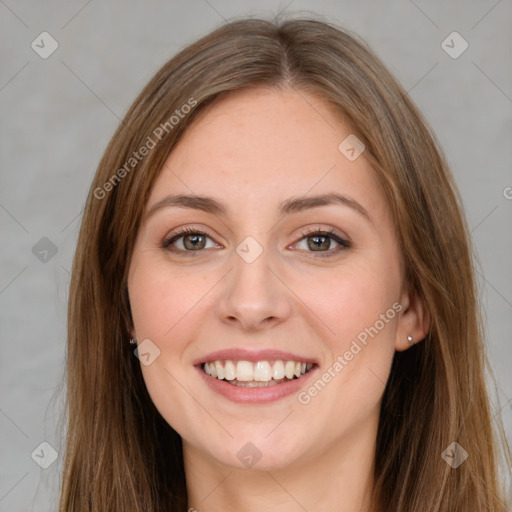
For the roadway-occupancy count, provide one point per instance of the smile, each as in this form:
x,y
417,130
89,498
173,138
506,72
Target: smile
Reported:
x,y
256,373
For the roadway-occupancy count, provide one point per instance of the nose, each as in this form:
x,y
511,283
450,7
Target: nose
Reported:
x,y
254,295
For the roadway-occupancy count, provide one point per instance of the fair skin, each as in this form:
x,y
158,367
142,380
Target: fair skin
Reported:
x,y
251,151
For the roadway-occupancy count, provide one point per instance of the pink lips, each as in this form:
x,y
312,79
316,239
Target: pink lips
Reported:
x,y
239,354
254,394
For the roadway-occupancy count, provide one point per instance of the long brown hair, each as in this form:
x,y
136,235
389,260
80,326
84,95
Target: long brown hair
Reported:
x,y
121,455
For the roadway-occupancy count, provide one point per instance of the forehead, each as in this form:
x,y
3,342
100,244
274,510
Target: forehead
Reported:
x,y
261,146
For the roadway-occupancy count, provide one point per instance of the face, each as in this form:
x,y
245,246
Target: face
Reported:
x,y
265,275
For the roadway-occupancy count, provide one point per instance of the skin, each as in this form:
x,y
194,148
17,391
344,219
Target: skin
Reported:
x,y
251,151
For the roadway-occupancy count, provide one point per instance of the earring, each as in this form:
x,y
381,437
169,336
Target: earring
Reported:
x,y
133,341
409,339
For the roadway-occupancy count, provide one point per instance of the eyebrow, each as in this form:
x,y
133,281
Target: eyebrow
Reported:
x,y
292,205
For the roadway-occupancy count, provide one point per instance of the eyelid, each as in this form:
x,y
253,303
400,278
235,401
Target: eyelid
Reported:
x,y
326,231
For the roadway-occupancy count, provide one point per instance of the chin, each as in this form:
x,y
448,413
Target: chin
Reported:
x,y
255,453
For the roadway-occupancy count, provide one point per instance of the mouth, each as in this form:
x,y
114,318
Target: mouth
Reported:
x,y
256,374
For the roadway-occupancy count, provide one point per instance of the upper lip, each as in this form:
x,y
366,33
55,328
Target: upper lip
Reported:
x,y
240,354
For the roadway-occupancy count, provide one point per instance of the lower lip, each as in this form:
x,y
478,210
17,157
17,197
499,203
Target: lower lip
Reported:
x,y
253,395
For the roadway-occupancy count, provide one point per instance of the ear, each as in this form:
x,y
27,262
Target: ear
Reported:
x,y
129,320
414,320
131,328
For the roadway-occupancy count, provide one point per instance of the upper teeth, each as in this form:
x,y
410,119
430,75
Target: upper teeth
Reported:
x,y
261,371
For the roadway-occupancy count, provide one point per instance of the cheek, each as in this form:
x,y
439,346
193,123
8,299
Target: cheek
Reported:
x,y
359,312
353,299
161,297
162,302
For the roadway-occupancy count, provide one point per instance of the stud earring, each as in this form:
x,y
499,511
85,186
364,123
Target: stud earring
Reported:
x,y
409,339
133,341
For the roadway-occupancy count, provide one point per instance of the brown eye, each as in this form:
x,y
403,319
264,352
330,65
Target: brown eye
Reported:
x,y
194,242
320,242
186,240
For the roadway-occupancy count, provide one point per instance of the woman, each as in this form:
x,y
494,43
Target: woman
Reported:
x,y
273,302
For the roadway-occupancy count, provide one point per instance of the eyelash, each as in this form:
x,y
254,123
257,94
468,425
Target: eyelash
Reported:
x,y
343,244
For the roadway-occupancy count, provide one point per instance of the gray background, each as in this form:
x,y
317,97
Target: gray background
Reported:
x,y
58,114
